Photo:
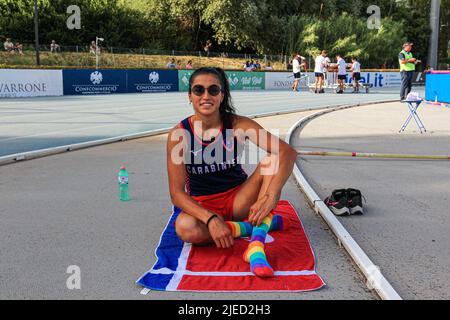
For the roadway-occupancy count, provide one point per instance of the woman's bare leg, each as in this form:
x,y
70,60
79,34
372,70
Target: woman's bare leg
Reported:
x,y
190,229
254,188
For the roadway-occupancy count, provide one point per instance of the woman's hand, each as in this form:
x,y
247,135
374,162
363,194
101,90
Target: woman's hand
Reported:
x,y
261,209
220,233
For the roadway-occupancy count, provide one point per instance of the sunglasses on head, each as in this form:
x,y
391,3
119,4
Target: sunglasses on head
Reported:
x,y
199,90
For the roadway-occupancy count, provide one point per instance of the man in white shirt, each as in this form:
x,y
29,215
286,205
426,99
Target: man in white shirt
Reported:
x,y
268,67
8,45
296,70
54,47
342,73
356,73
319,70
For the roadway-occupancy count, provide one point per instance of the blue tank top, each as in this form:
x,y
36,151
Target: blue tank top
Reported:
x,y
207,174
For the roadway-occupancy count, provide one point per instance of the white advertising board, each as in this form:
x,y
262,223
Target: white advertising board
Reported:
x,y
284,80
30,83
279,80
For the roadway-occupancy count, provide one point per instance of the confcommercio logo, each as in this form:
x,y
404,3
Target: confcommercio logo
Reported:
x,y
96,78
154,86
153,77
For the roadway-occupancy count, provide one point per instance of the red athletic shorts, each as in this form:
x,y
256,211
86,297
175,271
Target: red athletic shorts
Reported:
x,y
220,203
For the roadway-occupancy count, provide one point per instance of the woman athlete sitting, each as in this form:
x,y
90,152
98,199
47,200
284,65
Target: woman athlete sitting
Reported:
x,y
207,182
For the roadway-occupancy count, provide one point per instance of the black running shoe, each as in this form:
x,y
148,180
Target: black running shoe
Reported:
x,y
322,91
337,202
355,204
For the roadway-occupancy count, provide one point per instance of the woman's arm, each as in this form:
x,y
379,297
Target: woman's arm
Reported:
x,y
176,170
177,177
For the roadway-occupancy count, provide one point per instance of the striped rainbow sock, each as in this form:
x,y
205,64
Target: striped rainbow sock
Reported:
x,y
240,228
255,252
244,228
280,223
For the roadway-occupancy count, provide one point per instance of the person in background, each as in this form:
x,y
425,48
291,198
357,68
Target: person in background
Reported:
x,y
303,64
356,74
18,48
319,71
296,70
257,65
8,45
330,72
171,64
248,66
268,67
289,65
407,67
342,73
54,47
189,65
208,47
93,48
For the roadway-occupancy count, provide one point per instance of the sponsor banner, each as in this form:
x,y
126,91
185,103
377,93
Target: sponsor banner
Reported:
x,y
279,80
240,80
436,87
30,83
375,79
77,82
284,80
143,81
183,79
390,79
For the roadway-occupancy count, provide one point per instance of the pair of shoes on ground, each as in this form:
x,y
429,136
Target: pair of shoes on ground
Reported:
x,y
344,202
320,91
339,91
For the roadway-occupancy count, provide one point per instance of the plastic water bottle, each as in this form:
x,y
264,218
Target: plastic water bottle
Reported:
x,y
123,184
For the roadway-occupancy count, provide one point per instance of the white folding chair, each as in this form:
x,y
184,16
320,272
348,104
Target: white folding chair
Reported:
x,y
413,106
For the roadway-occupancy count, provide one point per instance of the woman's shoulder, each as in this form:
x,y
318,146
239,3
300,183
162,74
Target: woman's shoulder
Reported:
x,y
242,122
180,125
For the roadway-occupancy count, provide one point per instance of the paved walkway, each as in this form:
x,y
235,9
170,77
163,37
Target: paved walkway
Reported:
x,y
406,227
63,210
38,123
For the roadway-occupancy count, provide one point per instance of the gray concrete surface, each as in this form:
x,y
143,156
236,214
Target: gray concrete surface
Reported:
x,y
38,123
405,229
63,210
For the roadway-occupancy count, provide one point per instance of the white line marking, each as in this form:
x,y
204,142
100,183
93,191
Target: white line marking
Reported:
x,y
382,286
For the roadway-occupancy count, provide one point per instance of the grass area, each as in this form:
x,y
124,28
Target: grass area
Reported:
x,y
118,61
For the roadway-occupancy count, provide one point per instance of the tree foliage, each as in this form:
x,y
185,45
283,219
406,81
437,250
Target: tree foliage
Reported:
x,y
251,26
